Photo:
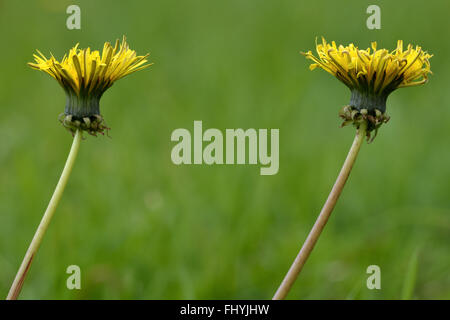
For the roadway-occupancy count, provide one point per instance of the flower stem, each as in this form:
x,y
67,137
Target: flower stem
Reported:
x,y
37,239
322,219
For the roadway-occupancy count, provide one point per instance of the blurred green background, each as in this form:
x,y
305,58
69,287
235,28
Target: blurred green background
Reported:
x,y
141,227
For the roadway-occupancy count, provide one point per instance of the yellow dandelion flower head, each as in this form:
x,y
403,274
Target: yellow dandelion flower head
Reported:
x,y
85,75
372,74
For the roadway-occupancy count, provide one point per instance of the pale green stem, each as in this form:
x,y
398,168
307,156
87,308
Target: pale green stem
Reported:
x,y
37,239
322,219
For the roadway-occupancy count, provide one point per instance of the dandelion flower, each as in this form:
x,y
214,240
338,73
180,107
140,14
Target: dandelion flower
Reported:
x,y
85,75
371,75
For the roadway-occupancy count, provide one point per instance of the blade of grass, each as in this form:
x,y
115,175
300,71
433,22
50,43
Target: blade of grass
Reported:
x,y
409,282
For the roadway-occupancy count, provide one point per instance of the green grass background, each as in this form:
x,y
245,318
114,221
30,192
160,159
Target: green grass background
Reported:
x,y
142,228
